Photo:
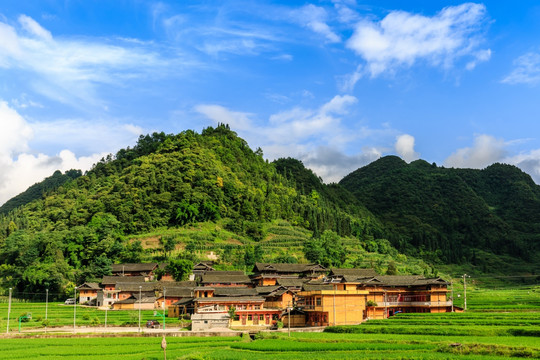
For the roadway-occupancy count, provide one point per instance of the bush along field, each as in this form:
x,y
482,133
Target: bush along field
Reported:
x,y
510,329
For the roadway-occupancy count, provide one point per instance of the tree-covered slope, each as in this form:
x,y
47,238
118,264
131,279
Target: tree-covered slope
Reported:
x,y
165,181
37,190
451,213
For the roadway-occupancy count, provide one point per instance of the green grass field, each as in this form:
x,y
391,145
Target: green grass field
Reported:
x,y
59,315
509,328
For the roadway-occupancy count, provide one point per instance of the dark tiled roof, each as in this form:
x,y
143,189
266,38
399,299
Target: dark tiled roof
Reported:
x,y
264,290
89,285
228,299
316,287
228,272
356,279
409,280
234,291
178,284
120,279
134,286
204,265
294,283
184,301
287,268
361,273
135,299
144,267
179,291
215,277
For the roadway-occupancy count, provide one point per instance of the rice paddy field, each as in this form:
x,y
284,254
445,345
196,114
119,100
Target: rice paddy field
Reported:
x,y
500,324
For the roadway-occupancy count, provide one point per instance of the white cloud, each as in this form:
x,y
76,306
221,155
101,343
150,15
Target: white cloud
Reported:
x,y
84,136
21,166
68,70
332,165
526,70
34,28
485,151
405,148
528,162
295,125
401,39
315,136
27,169
219,114
15,131
314,18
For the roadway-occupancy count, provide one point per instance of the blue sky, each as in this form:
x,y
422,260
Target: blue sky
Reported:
x,y
336,84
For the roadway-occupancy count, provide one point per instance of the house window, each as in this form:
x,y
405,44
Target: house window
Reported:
x,y
250,317
236,317
318,301
261,317
257,307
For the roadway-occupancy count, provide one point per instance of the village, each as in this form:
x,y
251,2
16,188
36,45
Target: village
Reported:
x,y
294,295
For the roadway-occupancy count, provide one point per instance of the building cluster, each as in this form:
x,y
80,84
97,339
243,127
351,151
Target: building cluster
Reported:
x,y
302,294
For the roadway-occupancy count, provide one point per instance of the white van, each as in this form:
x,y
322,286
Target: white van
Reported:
x,y
70,301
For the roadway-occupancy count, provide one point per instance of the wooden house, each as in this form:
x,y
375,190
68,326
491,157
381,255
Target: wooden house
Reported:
x,y
110,282
225,278
88,292
326,305
338,275
134,302
201,268
389,295
135,269
278,297
267,274
110,292
170,295
249,310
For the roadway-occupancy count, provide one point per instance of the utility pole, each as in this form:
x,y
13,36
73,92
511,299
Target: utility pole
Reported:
x,y
465,291
452,296
75,311
9,310
289,318
140,304
335,304
46,302
385,306
164,307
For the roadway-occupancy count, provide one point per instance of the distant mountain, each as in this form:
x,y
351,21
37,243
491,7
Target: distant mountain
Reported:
x,y
38,190
451,213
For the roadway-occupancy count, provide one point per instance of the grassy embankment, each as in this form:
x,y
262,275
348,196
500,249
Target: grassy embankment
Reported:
x,y
500,324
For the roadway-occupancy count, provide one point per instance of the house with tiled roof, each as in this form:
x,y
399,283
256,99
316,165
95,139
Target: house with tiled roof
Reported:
x,y
88,292
265,274
136,269
225,278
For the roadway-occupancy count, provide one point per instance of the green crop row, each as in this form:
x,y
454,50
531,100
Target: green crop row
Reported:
x,y
438,330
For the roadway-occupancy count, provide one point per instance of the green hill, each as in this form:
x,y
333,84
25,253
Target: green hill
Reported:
x,y
453,215
37,191
150,192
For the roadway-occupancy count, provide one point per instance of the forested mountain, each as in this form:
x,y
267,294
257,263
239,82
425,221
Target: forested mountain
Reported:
x,y
165,181
452,214
37,191
182,196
